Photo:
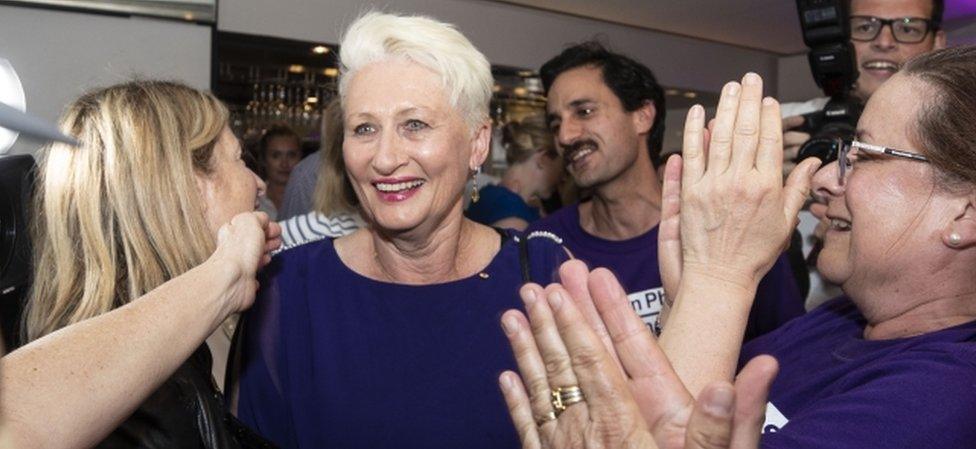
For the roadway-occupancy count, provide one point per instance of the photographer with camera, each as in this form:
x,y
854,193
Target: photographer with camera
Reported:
x,y
883,34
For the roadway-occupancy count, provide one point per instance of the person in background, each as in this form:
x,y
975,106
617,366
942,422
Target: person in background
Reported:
x,y
333,207
279,150
890,364
606,112
139,207
885,34
388,337
534,171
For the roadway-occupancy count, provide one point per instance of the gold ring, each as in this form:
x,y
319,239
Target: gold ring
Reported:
x,y
563,397
551,416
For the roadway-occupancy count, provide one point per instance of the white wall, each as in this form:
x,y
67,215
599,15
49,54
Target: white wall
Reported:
x,y
795,81
59,55
510,35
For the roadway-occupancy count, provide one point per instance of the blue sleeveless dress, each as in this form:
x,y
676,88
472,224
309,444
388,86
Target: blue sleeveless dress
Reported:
x,y
333,359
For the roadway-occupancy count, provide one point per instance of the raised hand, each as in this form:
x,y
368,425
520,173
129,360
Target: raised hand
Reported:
x,y
245,245
736,213
638,403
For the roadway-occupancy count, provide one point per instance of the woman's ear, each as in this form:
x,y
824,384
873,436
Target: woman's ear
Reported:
x,y
961,231
480,145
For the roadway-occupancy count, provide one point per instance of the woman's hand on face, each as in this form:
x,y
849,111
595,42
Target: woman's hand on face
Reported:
x,y
634,398
736,214
245,244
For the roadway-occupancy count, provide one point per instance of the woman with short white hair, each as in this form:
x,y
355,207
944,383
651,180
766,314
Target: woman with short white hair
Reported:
x,y
389,337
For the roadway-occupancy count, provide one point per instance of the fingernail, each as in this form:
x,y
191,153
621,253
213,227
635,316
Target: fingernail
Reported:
x,y
506,381
697,111
555,300
751,79
528,297
718,402
769,101
510,324
732,88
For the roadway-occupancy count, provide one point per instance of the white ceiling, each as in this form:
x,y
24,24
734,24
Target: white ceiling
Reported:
x,y
769,25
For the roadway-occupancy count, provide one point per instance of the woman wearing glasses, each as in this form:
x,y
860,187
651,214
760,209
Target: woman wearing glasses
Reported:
x,y
889,365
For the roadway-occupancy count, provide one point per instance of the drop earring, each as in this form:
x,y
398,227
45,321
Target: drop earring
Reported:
x,y
475,196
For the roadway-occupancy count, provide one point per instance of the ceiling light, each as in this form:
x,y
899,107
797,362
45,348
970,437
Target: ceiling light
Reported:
x,y
331,72
671,92
320,49
690,94
296,68
11,94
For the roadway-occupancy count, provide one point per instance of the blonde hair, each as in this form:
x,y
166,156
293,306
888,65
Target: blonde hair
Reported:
x,y
333,193
525,138
465,73
121,214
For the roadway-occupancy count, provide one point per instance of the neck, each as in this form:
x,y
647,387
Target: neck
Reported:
x,y
934,315
914,305
418,257
625,207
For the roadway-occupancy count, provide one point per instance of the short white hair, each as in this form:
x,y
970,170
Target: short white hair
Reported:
x,y
465,72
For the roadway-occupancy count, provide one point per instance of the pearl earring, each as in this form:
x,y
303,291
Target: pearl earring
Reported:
x,y
955,239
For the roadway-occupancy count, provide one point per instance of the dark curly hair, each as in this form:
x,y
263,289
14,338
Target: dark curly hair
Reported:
x,y
632,82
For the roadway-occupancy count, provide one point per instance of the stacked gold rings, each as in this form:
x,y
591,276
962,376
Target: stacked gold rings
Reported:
x,y
563,397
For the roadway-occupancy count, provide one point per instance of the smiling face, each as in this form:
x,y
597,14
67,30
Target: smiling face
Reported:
x,y
407,151
230,188
879,59
597,138
887,220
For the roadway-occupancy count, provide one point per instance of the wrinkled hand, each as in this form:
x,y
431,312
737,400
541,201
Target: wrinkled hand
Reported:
x,y
792,141
736,215
245,245
634,398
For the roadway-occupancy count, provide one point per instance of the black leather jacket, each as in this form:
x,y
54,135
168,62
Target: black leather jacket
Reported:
x,y
187,411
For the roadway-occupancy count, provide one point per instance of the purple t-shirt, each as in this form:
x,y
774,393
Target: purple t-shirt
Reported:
x,y
634,262
837,390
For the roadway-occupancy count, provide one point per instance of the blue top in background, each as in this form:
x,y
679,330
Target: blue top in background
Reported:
x,y
334,360
498,203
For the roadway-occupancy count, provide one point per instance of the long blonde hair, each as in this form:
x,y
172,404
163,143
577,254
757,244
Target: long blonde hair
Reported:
x,y
334,194
121,214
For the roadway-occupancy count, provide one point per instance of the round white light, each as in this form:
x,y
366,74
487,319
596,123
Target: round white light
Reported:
x,y
11,94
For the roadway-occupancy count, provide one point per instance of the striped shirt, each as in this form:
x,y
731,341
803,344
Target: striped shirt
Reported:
x,y
314,226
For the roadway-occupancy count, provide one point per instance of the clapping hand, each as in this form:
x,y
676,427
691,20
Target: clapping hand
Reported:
x,y
638,402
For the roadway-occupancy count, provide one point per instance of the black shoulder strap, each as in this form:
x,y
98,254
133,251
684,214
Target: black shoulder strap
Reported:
x,y
523,243
524,259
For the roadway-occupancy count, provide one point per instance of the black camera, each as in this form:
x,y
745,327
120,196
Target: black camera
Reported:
x,y
16,187
827,31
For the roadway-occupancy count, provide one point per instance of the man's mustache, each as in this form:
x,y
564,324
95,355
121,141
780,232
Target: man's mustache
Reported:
x,y
570,149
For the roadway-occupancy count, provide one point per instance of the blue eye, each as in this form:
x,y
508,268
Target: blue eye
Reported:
x,y
415,125
364,129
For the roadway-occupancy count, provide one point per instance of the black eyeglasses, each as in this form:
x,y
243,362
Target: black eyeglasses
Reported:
x,y
907,30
